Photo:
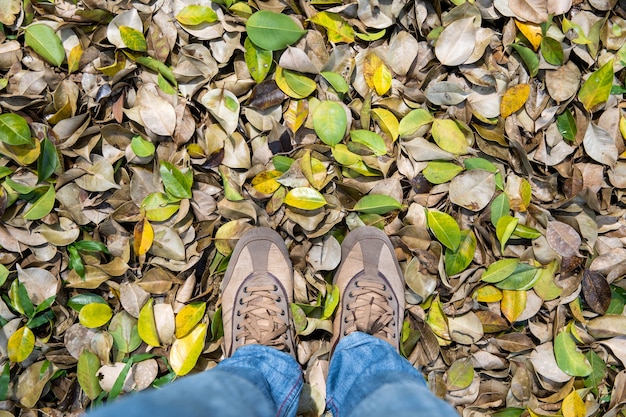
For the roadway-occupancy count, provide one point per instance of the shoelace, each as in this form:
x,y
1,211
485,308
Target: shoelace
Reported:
x,y
370,312
264,322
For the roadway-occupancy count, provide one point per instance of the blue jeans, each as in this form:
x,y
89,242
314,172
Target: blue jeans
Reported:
x,y
367,377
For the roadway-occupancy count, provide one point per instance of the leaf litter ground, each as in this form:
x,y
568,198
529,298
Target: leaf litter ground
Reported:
x,y
140,140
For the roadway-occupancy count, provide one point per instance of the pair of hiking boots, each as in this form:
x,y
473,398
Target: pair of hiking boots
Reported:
x,y
258,290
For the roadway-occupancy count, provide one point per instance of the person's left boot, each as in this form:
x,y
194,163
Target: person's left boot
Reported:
x,y
256,294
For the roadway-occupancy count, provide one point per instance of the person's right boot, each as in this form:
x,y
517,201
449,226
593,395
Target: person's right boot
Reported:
x,y
371,287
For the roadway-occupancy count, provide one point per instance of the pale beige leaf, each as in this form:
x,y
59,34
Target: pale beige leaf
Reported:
x,y
456,43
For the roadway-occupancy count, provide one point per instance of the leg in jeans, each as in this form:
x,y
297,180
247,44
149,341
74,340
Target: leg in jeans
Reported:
x,y
257,381
260,376
367,375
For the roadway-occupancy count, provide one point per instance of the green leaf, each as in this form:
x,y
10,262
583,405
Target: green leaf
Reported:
x,y
273,31
526,232
87,373
597,88
499,270
336,81
20,300
598,371
504,229
258,60
552,51
568,358
185,352
344,156
523,278
5,378
141,147
439,172
282,163
445,229
20,344
165,85
456,261
146,325
4,274
158,67
449,136
529,58
499,207
176,183
413,121
377,204
44,40
133,39
42,206
14,130
460,375
116,390
370,139
48,160
330,302
159,207
305,198
123,328
95,315
195,14
330,122
91,246
371,36
298,83
76,262
77,302
567,125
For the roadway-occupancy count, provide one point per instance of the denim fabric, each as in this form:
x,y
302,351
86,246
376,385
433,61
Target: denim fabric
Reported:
x,y
366,378
257,381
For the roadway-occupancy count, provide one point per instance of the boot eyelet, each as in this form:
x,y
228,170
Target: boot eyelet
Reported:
x,y
275,287
238,313
345,333
351,294
245,290
238,327
384,287
282,312
278,300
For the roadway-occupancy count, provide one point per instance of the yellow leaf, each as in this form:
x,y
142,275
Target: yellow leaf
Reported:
x,y
531,31
512,304
296,114
146,326
438,323
370,64
95,315
314,170
488,294
305,198
514,99
449,136
387,122
144,235
186,351
73,60
188,317
382,79
117,66
265,182
337,29
21,344
573,406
